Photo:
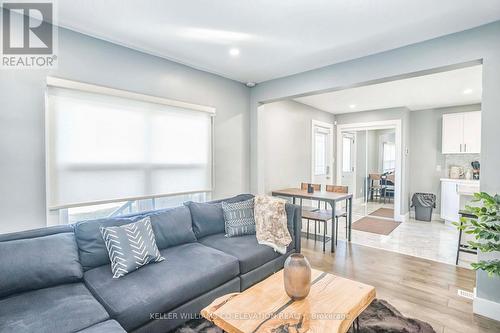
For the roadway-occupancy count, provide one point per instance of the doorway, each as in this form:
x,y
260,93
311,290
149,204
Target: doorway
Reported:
x,y
348,161
322,153
369,159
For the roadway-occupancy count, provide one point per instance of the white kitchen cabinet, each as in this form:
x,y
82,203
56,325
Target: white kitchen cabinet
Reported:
x,y
472,132
461,133
450,201
453,134
455,195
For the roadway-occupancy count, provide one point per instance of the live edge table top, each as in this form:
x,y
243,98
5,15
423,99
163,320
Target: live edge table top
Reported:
x,y
331,306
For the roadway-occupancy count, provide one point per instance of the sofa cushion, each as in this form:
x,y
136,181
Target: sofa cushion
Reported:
x,y
239,218
40,262
189,270
131,246
64,308
171,227
91,246
108,326
250,254
208,217
34,233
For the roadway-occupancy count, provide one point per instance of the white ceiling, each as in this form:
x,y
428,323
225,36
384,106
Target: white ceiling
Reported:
x,y
455,87
275,38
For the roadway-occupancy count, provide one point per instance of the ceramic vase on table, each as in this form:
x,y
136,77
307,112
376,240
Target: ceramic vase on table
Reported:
x,y
297,276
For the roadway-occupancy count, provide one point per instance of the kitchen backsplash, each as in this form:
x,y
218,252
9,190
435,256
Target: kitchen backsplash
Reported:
x,y
461,160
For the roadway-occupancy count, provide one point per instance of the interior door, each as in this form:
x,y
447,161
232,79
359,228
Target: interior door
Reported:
x,y
348,160
322,153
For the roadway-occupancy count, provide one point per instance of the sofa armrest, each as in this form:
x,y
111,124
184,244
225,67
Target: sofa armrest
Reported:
x,y
294,221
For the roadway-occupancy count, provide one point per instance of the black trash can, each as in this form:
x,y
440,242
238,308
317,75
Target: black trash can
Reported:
x,y
424,204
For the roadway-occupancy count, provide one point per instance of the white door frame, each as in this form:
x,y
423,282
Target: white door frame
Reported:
x,y
375,125
332,157
354,156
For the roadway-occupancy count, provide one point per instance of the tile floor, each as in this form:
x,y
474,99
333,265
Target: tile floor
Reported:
x,y
433,240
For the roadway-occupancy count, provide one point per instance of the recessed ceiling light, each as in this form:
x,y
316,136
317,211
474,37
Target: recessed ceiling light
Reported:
x,y
467,91
352,106
234,52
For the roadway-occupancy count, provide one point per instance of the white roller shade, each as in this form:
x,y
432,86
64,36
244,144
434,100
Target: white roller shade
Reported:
x,y
103,148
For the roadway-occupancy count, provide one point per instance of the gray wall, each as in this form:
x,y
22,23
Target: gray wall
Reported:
x,y
471,45
287,143
425,147
82,58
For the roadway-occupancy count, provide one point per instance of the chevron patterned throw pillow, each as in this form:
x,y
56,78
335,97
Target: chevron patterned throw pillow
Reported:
x,y
131,246
239,218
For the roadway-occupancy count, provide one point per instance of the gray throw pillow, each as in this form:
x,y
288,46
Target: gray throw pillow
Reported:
x,y
238,218
130,246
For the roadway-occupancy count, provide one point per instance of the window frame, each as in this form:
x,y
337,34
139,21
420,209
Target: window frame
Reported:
x,y
384,161
59,214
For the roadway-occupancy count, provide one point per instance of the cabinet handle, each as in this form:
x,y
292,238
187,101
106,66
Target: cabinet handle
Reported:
x,y
460,147
465,147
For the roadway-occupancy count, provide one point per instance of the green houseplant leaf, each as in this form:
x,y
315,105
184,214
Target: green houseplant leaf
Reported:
x,y
485,228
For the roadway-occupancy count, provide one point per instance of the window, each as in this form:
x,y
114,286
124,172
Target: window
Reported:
x,y
346,154
107,149
389,156
76,214
320,153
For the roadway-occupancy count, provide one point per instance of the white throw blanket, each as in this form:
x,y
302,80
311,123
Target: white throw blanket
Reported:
x,y
271,223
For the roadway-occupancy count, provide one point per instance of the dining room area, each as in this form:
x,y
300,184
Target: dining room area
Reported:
x,y
360,168
348,190
367,159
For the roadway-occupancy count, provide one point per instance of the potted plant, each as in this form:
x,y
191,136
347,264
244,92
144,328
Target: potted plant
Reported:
x,y
485,228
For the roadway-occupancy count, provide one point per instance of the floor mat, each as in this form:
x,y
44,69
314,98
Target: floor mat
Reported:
x,y
383,212
375,225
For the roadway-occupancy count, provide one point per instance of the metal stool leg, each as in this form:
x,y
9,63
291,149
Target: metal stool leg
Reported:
x,y
458,245
315,230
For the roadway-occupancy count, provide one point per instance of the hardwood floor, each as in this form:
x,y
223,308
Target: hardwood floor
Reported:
x,y
419,288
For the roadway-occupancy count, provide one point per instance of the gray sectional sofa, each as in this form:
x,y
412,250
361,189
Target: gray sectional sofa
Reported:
x,y
58,279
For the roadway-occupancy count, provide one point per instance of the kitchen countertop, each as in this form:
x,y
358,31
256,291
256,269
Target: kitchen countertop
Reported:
x,y
470,182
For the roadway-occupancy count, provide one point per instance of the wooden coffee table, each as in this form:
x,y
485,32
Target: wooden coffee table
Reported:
x,y
332,306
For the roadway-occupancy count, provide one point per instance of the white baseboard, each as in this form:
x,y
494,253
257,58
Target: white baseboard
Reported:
x,y
402,218
437,217
357,201
485,307
434,217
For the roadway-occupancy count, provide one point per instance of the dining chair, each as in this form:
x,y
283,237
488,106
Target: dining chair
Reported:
x,y
316,187
388,187
325,215
342,212
375,186
306,209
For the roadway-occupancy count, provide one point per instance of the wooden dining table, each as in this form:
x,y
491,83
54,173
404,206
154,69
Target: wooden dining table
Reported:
x,y
329,197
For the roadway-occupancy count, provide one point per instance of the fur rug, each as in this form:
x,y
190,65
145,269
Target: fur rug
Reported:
x,y
379,317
